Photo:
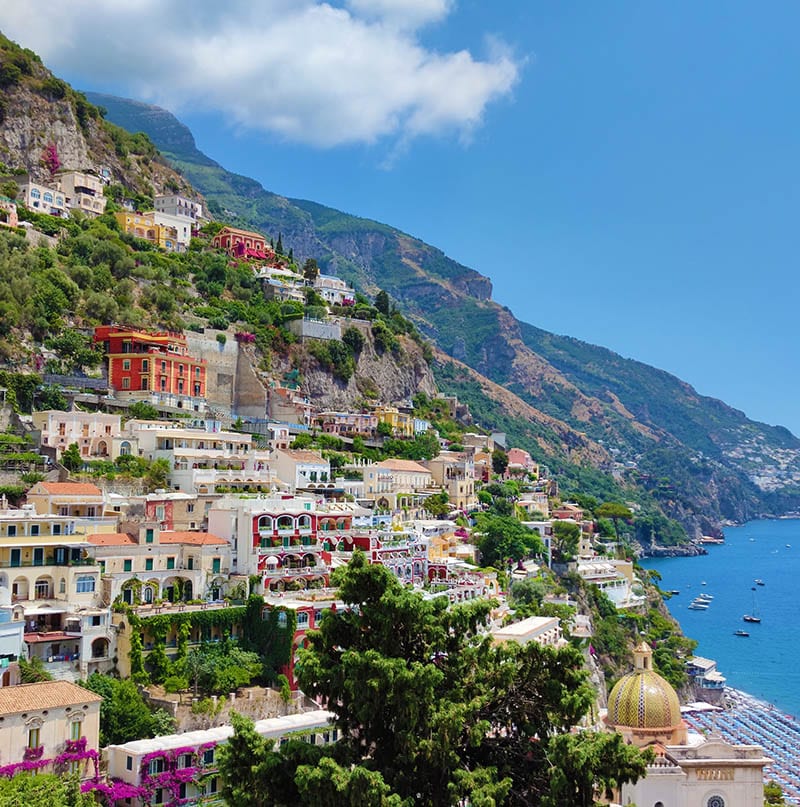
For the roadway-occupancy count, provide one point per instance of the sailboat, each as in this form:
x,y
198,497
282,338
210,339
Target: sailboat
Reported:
x,y
754,617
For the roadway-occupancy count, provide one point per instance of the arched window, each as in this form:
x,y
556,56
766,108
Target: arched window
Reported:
x,y
48,197
715,801
35,194
265,524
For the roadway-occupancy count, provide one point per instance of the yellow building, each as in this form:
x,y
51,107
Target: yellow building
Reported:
x,y
144,225
401,423
41,722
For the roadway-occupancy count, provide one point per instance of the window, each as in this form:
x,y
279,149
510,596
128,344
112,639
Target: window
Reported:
x,y
33,739
148,534
97,620
126,383
48,197
85,584
216,564
126,364
715,801
34,529
56,529
145,365
190,562
62,586
185,761
156,766
16,557
38,556
171,562
12,530
75,730
190,508
158,797
129,763
148,565
302,619
127,565
163,367
35,193
208,756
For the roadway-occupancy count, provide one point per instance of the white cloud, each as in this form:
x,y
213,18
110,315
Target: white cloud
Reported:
x,y
308,71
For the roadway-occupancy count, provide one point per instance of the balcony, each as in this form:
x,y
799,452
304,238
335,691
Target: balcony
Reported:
x,y
295,571
45,562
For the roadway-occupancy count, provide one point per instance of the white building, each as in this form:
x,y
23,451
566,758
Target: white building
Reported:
x,y
43,198
182,225
302,470
543,630
94,432
180,206
155,764
334,290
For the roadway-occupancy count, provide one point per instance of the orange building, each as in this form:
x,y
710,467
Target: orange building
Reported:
x,y
140,362
243,243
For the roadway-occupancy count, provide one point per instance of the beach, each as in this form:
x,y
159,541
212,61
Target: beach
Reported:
x,y
750,721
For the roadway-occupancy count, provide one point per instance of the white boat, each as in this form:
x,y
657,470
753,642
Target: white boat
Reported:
x,y
699,604
705,597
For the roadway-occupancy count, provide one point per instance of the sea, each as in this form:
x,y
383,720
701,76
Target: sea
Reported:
x,y
767,663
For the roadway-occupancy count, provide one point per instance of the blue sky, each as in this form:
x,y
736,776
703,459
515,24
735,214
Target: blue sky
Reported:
x,y
626,173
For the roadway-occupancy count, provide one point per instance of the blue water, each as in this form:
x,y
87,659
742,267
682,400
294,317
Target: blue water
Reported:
x,y
767,664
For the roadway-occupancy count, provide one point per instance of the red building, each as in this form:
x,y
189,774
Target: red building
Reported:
x,y
140,362
243,243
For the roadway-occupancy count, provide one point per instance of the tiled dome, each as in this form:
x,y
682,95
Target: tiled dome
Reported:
x,y
643,699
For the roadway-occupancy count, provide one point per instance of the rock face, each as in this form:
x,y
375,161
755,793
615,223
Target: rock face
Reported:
x,y
38,111
386,376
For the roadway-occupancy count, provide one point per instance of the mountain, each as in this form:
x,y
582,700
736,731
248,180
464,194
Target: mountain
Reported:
x,y
705,462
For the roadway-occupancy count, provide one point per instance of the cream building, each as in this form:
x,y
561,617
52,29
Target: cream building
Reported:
x,y
689,770
45,720
94,432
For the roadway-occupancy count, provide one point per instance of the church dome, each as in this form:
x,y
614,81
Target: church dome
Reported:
x,y
642,699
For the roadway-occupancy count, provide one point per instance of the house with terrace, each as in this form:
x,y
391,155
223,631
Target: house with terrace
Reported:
x,y
53,586
94,432
201,460
285,541
143,564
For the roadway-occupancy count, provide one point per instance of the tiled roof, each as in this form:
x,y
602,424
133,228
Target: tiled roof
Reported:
x,y
72,488
300,455
193,538
111,539
44,695
404,465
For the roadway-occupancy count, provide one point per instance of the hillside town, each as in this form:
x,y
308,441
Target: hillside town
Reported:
x,y
182,504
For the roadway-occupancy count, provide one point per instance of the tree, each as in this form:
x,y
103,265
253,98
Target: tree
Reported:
x,y
773,794
157,475
33,671
438,504
615,511
242,763
124,714
500,537
71,458
589,763
385,429
566,539
354,339
44,790
382,303
425,699
142,410
310,270
279,245
499,461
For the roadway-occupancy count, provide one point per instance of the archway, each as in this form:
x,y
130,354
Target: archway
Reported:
x,y
102,448
43,588
100,648
19,588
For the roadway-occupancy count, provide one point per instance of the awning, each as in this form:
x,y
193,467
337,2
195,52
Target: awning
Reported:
x,y
41,610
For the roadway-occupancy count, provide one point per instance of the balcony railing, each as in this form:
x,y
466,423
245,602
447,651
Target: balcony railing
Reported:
x,y
48,561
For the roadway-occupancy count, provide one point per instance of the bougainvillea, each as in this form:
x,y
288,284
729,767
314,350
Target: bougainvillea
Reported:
x,y
50,158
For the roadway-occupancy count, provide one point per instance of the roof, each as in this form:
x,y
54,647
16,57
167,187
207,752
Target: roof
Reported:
x,y
72,488
301,455
111,539
44,695
193,538
403,465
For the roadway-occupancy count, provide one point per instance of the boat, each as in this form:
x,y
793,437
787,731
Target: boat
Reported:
x,y
698,605
759,582
674,592
705,597
754,617
740,633
703,583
